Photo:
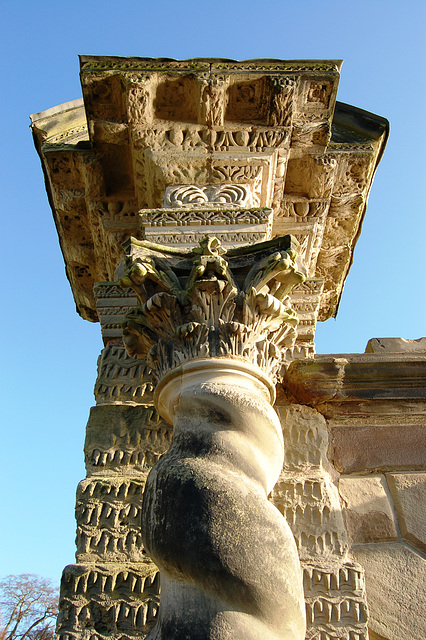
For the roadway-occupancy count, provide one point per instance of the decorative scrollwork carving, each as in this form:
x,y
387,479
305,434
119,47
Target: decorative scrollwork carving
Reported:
x,y
193,196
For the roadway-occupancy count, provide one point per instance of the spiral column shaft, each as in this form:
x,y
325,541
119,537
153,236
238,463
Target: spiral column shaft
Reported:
x,y
228,561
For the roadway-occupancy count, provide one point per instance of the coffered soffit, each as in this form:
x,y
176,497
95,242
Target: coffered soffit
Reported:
x,y
145,125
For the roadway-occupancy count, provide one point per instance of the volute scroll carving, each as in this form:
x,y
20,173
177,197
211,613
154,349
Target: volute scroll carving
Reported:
x,y
210,303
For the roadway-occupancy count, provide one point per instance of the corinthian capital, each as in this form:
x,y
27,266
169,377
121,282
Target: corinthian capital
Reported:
x,y
210,303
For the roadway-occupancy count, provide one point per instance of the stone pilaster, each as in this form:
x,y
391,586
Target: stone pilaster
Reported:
x,y
306,494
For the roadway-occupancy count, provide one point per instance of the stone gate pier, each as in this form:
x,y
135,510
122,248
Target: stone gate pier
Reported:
x,y
238,485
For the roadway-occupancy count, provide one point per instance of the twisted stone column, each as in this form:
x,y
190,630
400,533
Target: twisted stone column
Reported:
x,y
228,561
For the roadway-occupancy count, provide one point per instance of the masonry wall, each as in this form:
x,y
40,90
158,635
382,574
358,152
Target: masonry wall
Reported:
x,y
374,407
351,490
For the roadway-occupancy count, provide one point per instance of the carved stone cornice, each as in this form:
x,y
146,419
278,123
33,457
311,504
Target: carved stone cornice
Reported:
x,y
212,303
348,388
148,126
108,63
185,226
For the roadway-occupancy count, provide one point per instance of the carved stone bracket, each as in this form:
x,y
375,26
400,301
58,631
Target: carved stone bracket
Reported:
x,y
211,303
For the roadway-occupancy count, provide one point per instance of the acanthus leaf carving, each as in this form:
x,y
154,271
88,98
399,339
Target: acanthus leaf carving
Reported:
x,y
210,302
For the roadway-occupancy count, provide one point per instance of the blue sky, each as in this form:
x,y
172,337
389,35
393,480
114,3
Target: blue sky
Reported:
x,y
49,353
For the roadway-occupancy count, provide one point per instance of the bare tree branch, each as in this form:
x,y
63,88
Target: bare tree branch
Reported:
x,y
28,608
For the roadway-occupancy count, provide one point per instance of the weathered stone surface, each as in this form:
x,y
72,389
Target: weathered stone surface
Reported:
x,y
374,404
395,345
305,493
310,504
153,125
334,382
108,514
123,439
409,495
186,226
375,636
335,601
114,601
305,299
305,436
360,449
307,497
112,304
368,511
395,578
122,379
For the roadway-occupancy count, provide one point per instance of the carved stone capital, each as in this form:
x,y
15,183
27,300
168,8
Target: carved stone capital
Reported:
x,y
212,303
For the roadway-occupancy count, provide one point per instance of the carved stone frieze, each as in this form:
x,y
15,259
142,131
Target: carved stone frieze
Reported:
x,y
305,300
336,608
192,237
254,139
112,303
334,586
188,138
121,379
185,227
209,216
310,504
210,303
305,493
106,63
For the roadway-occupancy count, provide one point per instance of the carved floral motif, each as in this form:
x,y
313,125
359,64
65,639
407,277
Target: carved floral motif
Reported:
x,y
211,303
194,196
